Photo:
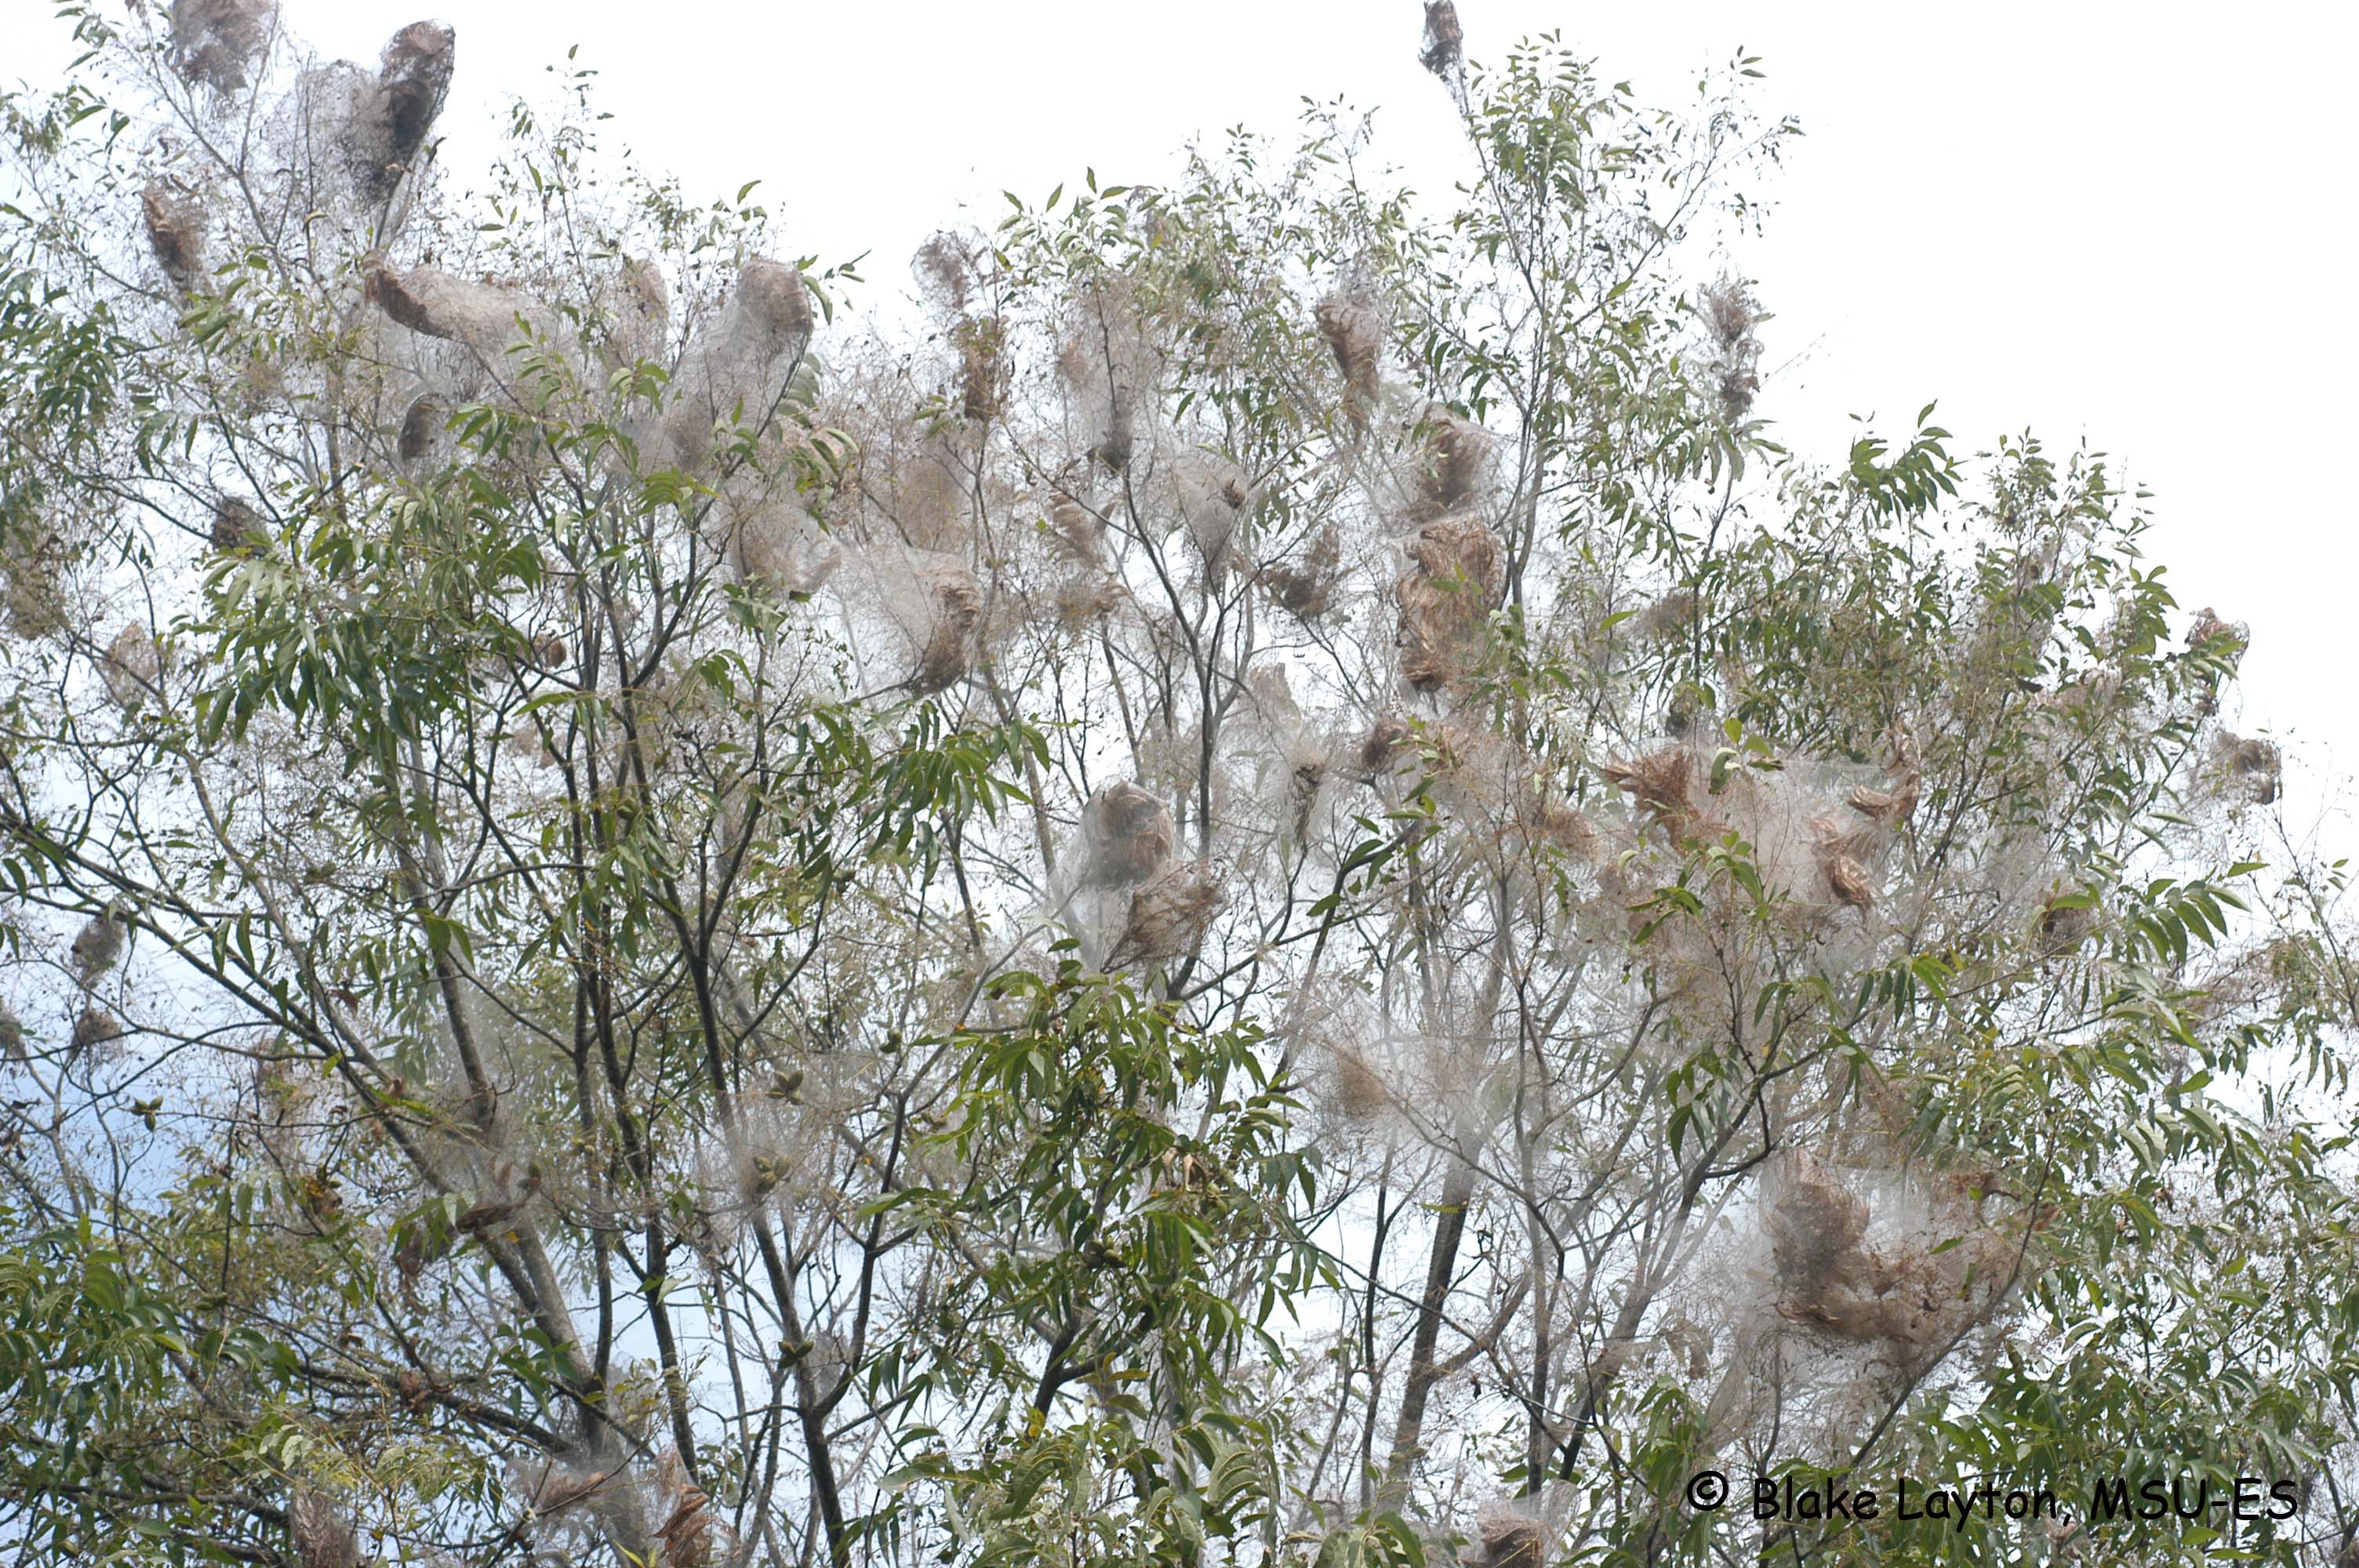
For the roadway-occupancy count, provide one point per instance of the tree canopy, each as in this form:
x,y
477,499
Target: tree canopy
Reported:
x,y
1274,890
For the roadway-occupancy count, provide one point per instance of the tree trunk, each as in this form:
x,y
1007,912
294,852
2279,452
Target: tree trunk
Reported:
x,y
1449,1228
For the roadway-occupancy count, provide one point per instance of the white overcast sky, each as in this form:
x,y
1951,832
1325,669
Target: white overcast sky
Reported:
x,y
2128,224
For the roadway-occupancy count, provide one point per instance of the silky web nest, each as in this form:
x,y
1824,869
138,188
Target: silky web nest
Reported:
x,y
1444,40
1169,914
1304,580
1085,588
1386,747
924,498
422,438
918,613
1731,314
1543,815
2065,920
1933,1282
637,313
691,1536
2209,628
1507,1538
1349,1051
2247,768
949,272
1665,785
783,545
1355,339
1105,363
1453,454
216,42
1816,1229
736,370
982,376
1669,617
483,317
322,1531
176,235
98,946
33,588
1214,498
1359,1089
1841,850
952,609
1458,574
131,666
1076,533
1126,834
389,127
1818,829
237,528
99,1032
